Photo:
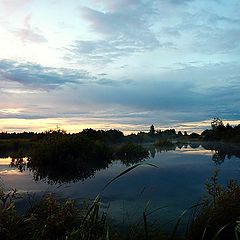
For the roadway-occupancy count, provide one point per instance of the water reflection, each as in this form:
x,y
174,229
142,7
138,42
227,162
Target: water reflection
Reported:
x,y
221,151
218,150
68,171
178,182
19,163
75,170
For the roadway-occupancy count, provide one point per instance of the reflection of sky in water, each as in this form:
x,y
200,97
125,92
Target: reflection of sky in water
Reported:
x,y
178,183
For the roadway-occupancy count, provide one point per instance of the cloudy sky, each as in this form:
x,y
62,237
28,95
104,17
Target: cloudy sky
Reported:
x,y
122,64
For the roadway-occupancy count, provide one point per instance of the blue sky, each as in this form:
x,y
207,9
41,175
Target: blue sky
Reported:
x,y
122,64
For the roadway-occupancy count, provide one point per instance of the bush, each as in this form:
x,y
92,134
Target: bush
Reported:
x,y
221,210
50,219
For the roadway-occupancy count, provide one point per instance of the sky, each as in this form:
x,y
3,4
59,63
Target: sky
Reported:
x,y
123,64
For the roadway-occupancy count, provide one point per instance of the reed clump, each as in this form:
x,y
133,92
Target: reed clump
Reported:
x,y
218,216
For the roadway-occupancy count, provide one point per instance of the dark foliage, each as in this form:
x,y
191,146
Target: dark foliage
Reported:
x,y
224,133
220,211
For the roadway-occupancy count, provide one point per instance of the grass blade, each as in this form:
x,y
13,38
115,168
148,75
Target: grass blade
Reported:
x,y
219,231
107,233
236,234
126,171
145,225
180,218
121,174
96,200
151,164
204,232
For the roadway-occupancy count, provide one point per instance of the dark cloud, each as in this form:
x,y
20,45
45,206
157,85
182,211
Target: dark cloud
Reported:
x,y
37,76
47,78
185,95
112,83
160,95
190,93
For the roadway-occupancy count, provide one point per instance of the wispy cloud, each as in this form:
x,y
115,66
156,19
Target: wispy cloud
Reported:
x,y
123,28
29,33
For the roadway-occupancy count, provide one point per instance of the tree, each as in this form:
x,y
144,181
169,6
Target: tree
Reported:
x,y
216,123
180,134
152,130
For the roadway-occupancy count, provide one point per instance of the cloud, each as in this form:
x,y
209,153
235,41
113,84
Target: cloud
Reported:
x,y
123,29
129,27
188,94
11,6
208,32
103,51
218,41
37,76
130,24
29,33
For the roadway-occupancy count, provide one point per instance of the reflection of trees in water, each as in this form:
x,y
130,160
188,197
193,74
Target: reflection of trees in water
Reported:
x,y
63,161
130,153
218,157
59,173
60,162
181,145
221,151
165,149
19,163
194,145
65,173
152,151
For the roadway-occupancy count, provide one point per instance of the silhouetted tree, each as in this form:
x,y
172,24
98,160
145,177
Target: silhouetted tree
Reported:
x,y
228,126
216,123
152,130
180,134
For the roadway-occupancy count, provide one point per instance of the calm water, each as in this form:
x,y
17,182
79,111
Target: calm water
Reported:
x,y
177,184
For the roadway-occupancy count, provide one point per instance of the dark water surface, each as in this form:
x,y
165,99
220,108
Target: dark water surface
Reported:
x,y
177,184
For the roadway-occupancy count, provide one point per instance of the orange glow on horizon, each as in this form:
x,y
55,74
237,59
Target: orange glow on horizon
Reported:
x,y
70,125
73,125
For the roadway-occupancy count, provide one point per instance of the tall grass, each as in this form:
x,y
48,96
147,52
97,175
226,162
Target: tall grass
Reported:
x,y
217,217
